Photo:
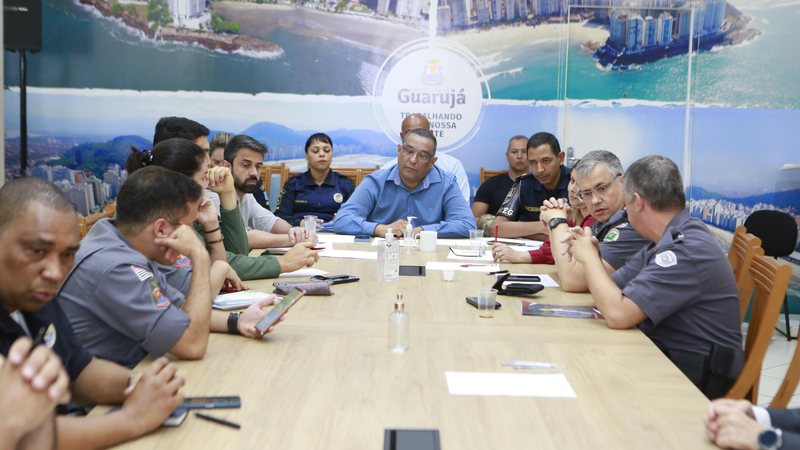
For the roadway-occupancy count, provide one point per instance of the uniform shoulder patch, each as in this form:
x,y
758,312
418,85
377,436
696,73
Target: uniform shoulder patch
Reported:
x,y
612,235
666,259
338,197
160,301
141,273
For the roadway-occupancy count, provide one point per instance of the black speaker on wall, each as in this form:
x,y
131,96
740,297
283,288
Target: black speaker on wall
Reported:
x,y
22,25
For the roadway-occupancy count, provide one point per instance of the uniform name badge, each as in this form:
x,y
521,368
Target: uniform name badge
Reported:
x,y
666,259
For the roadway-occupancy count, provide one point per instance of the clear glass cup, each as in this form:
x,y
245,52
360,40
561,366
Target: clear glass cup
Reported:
x,y
310,224
486,302
476,242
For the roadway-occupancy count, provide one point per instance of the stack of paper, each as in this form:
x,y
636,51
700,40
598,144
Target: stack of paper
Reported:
x,y
237,300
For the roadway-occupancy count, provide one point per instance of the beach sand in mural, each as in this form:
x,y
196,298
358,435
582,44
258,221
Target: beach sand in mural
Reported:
x,y
496,39
374,34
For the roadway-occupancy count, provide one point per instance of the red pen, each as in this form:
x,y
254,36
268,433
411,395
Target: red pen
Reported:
x,y
317,248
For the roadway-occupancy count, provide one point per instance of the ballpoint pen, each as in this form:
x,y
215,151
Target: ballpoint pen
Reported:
x,y
529,364
476,265
218,420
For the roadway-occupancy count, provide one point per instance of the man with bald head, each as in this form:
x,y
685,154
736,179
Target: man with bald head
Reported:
x,y
443,160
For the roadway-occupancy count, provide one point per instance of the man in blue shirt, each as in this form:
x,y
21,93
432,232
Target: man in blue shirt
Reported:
x,y
414,187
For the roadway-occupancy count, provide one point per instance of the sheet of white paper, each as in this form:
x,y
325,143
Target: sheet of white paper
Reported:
x,y
462,267
238,299
337,238
352,254
306,272
487,256
546,280
509,384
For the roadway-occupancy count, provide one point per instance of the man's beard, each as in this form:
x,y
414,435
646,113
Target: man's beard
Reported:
x,y
244,187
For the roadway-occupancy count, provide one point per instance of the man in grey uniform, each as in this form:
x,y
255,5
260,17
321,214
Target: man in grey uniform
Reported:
x,y
679,290
599,174
120,305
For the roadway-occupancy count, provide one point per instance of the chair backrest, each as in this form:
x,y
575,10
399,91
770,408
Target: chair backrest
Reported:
x,y
771,280
486,174
777,230
85,223
273,177
356,174
743,247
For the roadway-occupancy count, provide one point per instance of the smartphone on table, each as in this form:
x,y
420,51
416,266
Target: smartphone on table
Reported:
x,y
220,401
474,302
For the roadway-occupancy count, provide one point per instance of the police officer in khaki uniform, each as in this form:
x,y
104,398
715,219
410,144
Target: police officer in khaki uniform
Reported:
x,y
679,289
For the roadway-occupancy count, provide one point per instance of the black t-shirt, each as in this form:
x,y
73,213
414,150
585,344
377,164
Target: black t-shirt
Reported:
x,y
493,191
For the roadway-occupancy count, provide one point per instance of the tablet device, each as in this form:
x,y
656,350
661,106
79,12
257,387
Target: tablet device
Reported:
x,y
224,401
411,440
279,310
412,271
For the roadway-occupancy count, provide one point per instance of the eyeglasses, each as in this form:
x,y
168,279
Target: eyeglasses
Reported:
x,y
421,156
597,191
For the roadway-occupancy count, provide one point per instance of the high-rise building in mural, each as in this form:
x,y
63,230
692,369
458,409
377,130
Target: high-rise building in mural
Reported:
x,y
383,7
484,11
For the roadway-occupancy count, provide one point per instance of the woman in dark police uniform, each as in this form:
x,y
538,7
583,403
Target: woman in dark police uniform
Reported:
x,y
319,190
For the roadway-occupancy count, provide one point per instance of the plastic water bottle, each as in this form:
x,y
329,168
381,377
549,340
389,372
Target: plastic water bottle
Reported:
x,y
398,327
391,257
408,239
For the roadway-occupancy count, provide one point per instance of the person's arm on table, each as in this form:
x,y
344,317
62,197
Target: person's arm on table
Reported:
x,y
504,253
223,275
246,323
619,311
516,229
145,406
197,305
298,257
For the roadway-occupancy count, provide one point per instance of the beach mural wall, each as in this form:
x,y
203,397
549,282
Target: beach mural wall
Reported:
x,y
597,73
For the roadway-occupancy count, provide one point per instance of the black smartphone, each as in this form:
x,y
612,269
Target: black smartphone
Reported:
x,y
521,277
176,418
279,310
225,401
362,238
412,271
474,302
336,279
411,440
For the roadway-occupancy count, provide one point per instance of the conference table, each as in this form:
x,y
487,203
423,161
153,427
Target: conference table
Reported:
x,y
324,378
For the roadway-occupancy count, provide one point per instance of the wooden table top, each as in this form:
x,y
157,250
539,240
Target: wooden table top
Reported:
x,y
324,379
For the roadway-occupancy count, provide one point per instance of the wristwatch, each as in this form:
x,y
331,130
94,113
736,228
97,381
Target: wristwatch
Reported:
x,y
556,221
770,439
233,322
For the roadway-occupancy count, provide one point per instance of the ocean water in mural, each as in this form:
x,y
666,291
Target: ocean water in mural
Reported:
x,y
522,62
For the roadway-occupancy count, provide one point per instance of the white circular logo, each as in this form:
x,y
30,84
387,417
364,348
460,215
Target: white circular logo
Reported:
x,y
338,197
437,78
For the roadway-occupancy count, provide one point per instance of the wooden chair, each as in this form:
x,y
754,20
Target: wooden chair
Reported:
x,y
486,174
771,281
85,223
356,174
789,384
743,247
267,172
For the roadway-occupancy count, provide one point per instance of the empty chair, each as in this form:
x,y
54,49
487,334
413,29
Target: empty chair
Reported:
x,y
771,280
743,247
778,233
